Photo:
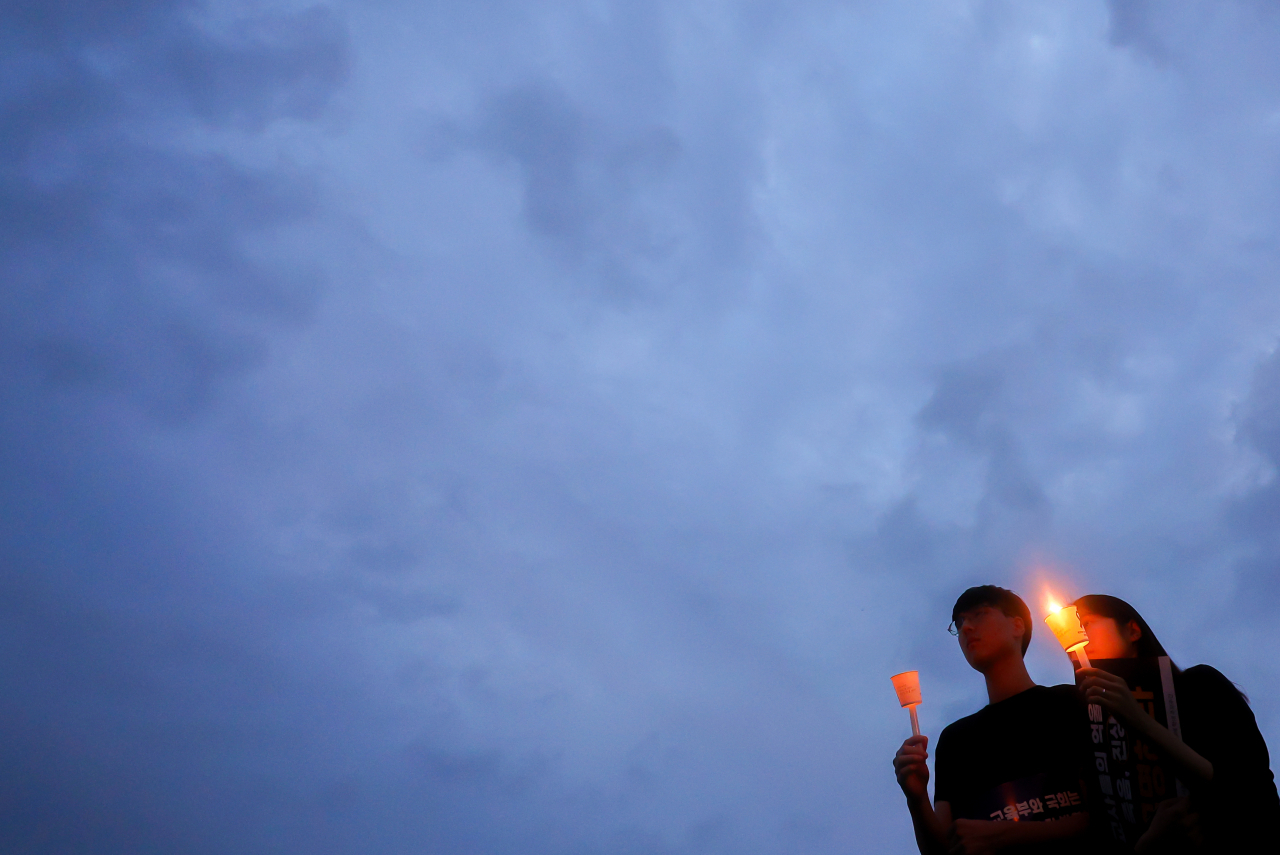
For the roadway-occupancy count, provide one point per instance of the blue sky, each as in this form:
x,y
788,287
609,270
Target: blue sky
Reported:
x,y
544,427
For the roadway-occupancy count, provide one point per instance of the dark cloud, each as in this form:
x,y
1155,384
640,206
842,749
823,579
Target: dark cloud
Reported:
x,y
1259,415
544,134
1252,516
583,175
1134,22
144,672
961,406
129,257
542,428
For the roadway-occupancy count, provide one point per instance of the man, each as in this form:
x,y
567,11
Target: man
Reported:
x,y
1013,763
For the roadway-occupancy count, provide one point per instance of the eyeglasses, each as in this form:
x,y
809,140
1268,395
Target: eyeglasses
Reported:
x,y
976,615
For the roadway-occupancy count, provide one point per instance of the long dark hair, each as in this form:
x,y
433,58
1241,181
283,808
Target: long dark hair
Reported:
x,y
1121,612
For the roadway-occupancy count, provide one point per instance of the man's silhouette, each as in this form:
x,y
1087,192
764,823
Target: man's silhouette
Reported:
x,y
1013,764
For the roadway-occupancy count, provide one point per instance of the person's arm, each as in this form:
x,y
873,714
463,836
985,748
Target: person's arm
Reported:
x,y
1174,828
1102,687
932,823
983,836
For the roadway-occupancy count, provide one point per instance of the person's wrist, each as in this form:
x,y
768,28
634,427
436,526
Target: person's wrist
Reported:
x,y
1138,718
914,799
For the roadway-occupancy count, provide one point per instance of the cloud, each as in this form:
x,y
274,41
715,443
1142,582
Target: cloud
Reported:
x,y
134,294
1251,514
541,428
116,224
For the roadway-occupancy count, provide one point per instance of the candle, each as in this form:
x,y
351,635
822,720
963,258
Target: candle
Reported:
x,y
907,685
1065,623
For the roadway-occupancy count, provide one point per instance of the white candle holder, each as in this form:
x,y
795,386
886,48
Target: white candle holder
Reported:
x,y
907,685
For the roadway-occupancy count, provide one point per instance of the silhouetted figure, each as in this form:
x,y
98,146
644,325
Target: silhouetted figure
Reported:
x,y
1016,761
1222,757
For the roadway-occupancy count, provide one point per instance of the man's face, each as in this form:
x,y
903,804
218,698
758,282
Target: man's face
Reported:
x,y
988,635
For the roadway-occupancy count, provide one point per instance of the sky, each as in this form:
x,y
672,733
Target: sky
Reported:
x,y
543,427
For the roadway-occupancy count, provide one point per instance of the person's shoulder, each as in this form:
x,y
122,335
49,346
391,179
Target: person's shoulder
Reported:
x,y
1204,674
1064,698
1205,679
961,726
1063,694
1062,691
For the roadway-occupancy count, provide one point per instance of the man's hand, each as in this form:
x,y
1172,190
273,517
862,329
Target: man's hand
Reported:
x,y
909,766
977,837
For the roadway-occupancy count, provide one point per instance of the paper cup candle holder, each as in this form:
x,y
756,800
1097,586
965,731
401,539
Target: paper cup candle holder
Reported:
x,y
907,685
1065,623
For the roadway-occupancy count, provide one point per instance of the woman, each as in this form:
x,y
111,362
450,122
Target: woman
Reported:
x,y
1222,757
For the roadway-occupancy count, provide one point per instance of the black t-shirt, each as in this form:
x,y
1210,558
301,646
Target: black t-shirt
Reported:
x,y
1020,759
1240,806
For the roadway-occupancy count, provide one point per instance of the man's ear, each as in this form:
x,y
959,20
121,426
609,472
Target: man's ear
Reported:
x,y
1020,626
1132,631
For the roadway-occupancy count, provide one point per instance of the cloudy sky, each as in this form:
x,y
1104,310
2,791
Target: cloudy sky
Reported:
x,y
543,427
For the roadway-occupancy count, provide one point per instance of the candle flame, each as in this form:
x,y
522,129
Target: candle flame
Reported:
x,y
1051,603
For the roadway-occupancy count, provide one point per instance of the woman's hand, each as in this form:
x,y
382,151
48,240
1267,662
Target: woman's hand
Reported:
x,y
1174,826
1101,687
1111,692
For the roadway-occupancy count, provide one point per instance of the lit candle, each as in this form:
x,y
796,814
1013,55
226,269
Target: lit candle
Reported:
x,y
1065,623
907,685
